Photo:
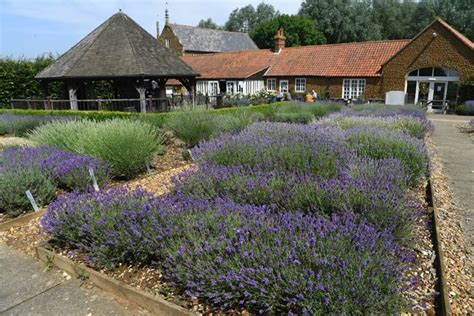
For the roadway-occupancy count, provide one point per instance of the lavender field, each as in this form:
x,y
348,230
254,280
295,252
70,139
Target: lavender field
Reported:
x,y
277,218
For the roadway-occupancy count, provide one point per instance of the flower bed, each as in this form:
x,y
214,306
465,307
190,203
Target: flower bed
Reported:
x,y
21,125
279,218
43,170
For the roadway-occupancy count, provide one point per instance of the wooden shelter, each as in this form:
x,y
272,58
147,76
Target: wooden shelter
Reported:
x,y
121,51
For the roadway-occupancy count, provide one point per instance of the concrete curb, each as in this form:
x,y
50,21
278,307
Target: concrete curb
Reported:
x,y
153,303
20,220
444,306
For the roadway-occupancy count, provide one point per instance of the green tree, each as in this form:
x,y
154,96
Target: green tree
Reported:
x,y
299,31
209,24
246,18
342,20
17,79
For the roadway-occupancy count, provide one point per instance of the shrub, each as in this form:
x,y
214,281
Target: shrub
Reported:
x,y
380,144
195,125
464,109
125,145
280,146
71,171
298,112
414,125
41,170
373,189
235,256
21,125
15,182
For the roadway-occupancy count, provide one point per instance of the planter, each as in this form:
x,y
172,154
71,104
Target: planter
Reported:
x,y
152,303
20,220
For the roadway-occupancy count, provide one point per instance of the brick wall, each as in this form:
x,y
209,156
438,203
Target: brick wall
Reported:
x,y
444,50
332,85
168,34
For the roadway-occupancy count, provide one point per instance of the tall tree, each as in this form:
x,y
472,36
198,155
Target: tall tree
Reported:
x,y
246,18
342,20
299,30
208,24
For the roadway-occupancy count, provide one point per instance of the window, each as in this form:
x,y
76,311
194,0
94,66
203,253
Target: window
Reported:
x,y
300,84
271,84
231,87
353,88
167,43
213,88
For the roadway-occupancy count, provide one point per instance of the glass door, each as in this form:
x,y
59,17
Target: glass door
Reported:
x,y
283,86
423,92
439,89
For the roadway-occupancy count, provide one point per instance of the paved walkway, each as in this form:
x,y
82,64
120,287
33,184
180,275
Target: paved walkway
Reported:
x,y
26,289
456,151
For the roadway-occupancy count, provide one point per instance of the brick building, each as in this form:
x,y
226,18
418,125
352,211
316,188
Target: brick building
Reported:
x,y
192,40
428,67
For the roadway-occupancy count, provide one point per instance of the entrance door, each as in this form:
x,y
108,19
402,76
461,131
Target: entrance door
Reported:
x,y
423,92
283,86
434,92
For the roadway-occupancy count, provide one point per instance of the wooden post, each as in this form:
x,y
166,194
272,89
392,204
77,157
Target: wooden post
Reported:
x,y
162,93
44,86
141,91
72,87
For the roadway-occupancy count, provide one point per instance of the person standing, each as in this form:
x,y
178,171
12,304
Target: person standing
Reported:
x,y
314,94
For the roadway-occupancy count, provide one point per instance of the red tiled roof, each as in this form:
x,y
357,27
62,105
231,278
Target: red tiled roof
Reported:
x,y
230,65
362,59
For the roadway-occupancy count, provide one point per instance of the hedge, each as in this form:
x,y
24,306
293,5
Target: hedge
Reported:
x,y
157,119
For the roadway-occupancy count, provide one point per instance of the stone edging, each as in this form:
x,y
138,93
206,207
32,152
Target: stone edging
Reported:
x,y
20,220
153,303
445,307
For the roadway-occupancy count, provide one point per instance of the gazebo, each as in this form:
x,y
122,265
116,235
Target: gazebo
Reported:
x,y
121,51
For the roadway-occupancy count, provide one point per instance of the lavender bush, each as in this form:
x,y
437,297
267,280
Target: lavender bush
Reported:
x,y
125,145
413,124
280,146
42,170
21,125
379,144
372,188
238,256
15,182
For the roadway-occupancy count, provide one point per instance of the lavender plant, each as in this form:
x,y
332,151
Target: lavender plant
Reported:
x,y
21,125
379,144
374,189
42,170
126,146
413,124
238,256
280,146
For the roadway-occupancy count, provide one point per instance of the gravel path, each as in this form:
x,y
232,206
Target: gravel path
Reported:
x,y
456,151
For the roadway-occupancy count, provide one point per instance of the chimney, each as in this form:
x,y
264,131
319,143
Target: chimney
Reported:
x,y
279,40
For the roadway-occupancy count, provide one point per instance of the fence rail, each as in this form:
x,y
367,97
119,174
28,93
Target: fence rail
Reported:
x,y
125,105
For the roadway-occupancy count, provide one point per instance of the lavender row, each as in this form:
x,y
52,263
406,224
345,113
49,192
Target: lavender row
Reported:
x,y
238,256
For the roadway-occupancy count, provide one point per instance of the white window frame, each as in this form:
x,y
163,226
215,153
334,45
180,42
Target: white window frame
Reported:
x,y
167,43
356,88
213,88
296,84
274,84
235,87
287,85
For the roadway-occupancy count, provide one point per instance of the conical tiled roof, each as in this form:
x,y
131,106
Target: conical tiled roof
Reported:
x,y
119,47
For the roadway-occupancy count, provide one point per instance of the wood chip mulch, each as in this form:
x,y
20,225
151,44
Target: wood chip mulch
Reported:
x,y
421,299
458,266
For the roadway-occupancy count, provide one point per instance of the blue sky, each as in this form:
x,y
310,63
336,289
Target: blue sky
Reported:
x,y
29,28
